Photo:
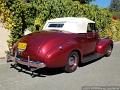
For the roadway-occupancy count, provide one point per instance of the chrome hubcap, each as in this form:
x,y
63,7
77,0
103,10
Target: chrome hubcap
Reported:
x,y
109,50
72,60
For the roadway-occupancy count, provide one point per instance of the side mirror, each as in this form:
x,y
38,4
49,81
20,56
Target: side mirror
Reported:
x,y
100,30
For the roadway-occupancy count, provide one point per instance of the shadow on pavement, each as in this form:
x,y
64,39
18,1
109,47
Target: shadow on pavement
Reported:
x,y
40,72
90,62
47,71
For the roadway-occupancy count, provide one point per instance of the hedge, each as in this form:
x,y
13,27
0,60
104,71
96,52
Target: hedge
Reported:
x,y
22,14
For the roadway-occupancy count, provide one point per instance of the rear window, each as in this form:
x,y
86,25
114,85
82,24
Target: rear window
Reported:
x,y
56,25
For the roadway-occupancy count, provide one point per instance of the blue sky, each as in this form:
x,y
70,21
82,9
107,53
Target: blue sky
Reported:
x,y
102,3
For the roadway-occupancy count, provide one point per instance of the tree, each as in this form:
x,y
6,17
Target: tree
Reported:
x,y
34,13
115,8
115,5
16,19
84,1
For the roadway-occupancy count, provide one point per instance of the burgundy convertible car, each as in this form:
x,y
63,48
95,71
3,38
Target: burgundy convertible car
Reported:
x,y
63,42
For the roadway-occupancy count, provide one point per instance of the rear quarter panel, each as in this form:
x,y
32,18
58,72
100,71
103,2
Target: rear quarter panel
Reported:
x,y
58,56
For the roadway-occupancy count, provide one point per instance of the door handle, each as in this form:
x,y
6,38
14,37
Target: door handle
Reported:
x,y
89,37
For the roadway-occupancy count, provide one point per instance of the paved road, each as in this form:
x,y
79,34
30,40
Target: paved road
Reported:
x,y
104,72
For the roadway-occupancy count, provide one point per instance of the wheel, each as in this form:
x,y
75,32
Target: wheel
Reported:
x,y
108,51
72,62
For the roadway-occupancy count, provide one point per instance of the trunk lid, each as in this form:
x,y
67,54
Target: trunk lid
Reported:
x,y
44,39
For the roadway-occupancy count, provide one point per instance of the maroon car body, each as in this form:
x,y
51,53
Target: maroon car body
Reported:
x,y
57,48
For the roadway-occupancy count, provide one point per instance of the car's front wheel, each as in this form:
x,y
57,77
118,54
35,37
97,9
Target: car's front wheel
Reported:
x,y
72,62
108,51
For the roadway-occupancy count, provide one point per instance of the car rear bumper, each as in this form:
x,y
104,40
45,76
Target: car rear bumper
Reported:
x,y
27,62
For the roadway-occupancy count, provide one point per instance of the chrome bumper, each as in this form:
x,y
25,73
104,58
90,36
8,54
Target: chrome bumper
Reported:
x,y
29,63
18,61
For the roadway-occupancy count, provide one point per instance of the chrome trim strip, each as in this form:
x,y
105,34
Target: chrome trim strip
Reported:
x,y
28,61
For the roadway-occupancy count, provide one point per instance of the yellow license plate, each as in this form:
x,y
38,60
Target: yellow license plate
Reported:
x,y
22,46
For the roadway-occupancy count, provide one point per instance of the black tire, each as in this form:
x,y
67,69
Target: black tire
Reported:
x,y
72,62
108,51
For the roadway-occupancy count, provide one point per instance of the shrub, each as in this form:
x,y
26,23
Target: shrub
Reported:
x,y
35,13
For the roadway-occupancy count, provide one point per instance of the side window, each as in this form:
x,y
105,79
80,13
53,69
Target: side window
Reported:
x,y
91,27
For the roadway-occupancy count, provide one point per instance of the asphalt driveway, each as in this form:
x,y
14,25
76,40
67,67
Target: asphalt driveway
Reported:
x,y
103,72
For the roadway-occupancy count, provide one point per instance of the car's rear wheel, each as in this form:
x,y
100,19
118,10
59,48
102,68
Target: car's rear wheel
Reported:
x,y
72,62
108,51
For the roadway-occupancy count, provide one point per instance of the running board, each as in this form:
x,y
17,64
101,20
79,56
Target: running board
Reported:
x,y
91,57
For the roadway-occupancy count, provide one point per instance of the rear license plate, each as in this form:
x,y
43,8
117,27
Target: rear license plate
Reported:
x,y
22,46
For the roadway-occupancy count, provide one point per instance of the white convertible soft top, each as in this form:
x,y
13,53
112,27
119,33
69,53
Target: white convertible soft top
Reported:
x,y
70,24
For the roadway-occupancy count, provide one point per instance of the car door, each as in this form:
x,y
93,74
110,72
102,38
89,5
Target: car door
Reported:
x,y
91,38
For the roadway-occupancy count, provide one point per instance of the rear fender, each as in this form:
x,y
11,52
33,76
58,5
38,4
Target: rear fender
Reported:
x,y
57,56
102,45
